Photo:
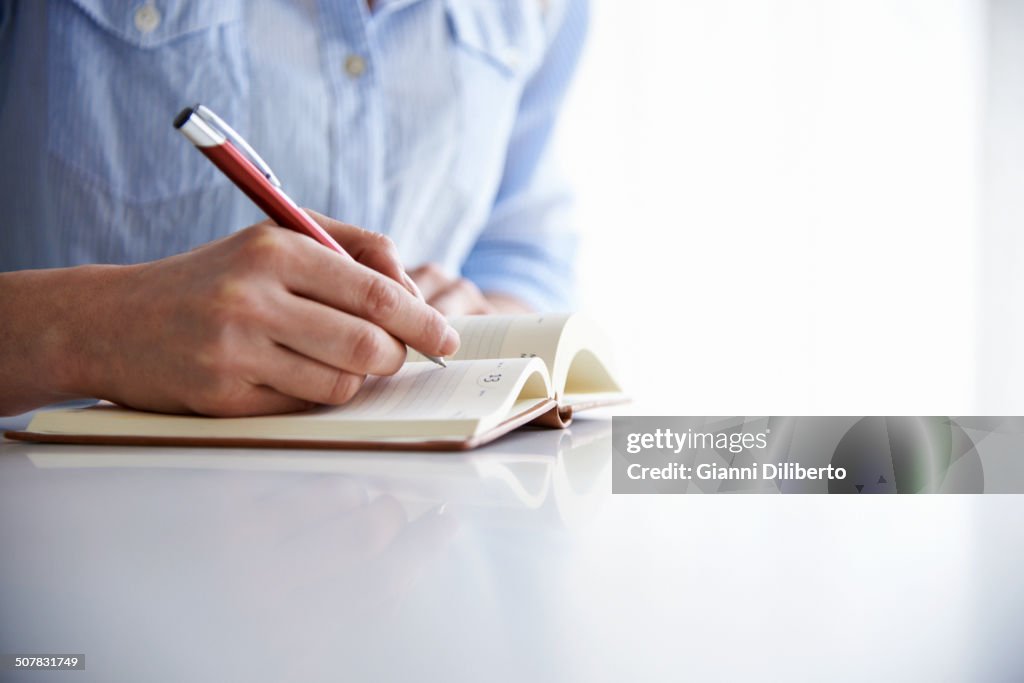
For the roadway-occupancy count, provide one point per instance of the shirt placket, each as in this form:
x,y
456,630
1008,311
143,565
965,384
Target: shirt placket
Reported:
x,y
356,134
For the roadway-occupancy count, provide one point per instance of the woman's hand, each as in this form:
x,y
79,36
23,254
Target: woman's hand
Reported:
x,y
263,321
454,296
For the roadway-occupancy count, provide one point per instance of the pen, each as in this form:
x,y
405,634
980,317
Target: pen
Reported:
x,y
236,159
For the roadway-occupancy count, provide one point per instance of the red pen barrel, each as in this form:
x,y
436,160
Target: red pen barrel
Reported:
x,y
258,188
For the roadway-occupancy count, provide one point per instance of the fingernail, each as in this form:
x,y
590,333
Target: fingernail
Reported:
x,y
450,343
412,286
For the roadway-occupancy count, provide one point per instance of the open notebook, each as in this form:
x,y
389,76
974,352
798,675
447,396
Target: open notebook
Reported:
x,y
509,371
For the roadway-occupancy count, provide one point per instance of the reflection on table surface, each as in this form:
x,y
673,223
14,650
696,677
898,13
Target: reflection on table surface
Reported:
x,y
238,556
509,563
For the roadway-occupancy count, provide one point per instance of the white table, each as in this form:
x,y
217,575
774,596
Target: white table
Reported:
x,y
195,565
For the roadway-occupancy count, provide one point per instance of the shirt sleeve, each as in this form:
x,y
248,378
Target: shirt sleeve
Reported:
x,y
528,246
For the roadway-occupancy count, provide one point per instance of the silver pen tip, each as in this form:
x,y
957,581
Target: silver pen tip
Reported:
x,y
436,360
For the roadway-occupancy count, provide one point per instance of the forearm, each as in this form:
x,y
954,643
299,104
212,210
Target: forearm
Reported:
x,y
49,319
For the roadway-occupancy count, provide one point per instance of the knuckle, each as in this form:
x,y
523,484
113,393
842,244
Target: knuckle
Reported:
x,y
230,292
392,361
380,297
205,359
219,370
217,354
264,245
234,301
380,242
374,351
216,363
258,235
343,387
217,397
365,349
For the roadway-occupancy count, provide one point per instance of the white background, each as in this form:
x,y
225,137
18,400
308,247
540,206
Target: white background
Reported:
x,y
811,207
783,205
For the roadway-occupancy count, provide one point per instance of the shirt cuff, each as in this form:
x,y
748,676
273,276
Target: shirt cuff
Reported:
x,y
544,283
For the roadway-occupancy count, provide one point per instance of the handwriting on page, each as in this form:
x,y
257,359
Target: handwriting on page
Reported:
x,y
414,391
491,377
422,391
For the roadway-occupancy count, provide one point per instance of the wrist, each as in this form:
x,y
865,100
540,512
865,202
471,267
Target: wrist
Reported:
x,y
44,333
60,319
83,342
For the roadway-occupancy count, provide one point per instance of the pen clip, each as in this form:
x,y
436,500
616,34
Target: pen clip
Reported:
x,y
231,134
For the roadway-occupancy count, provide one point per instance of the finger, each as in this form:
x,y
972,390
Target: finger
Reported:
x,y
431,279
372,249
335,338
256,400
352,287
306,379
462,297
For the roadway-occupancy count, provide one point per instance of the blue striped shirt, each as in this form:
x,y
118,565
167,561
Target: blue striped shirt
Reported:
x,y
427,120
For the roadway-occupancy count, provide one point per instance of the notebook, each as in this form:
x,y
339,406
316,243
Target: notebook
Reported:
x,y
510,371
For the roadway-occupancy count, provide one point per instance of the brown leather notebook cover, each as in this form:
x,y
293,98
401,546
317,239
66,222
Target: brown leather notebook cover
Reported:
x,y
546,414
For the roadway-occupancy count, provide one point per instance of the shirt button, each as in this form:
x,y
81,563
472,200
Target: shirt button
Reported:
x,y
147,18
355,66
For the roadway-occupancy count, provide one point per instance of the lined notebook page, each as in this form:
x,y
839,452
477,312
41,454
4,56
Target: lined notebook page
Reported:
x,y
424,391
508,336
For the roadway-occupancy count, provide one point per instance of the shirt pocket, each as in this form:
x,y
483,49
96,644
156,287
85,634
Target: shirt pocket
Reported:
x,y
496,46
118,73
